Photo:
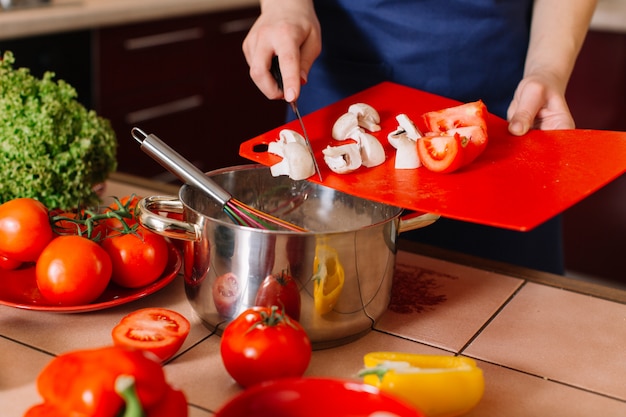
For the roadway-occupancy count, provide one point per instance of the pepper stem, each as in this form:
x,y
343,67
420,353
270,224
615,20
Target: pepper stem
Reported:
x,y
125,387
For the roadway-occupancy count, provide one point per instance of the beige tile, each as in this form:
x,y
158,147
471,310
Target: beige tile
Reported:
x,y
561,335
441,303
57,333
19,367
200,373
515,394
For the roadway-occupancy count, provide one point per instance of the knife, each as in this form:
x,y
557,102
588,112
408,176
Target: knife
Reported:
x,y
275,70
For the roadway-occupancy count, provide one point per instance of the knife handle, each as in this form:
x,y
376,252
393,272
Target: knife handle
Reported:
x,y
275,71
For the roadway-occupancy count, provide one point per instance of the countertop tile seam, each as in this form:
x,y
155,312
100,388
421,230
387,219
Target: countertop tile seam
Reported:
x,y
414,341
198,343
555,381
26,345
493,316
201,408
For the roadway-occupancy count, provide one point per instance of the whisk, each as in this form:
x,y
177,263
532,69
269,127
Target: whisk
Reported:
x,y
238,212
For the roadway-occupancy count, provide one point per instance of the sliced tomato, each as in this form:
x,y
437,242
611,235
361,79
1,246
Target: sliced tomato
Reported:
x,y
468,114
443,154
157,330
473,140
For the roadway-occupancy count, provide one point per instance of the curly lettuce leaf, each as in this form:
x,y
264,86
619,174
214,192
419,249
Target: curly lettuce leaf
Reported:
x,y
51,147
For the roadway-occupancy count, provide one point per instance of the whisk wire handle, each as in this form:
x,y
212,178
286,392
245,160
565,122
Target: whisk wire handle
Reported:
x,y
179,166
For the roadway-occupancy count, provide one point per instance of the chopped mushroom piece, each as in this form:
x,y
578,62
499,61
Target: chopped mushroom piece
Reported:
x,y
343,158
404,139
367,116
346,127
297,162
372,151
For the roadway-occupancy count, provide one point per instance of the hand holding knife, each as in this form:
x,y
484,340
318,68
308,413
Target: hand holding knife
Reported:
x,y
275,70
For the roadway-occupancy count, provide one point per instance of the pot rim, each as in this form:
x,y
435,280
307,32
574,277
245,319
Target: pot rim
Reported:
x,y
247,167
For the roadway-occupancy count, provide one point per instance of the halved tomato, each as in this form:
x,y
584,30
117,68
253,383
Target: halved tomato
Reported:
x,y
468,114
157,330
443,154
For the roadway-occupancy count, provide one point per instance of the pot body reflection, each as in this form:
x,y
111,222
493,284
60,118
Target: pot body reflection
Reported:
x,y
350,246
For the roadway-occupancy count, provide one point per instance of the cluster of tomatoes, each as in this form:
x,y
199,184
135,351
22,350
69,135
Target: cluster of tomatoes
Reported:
x,y
77,254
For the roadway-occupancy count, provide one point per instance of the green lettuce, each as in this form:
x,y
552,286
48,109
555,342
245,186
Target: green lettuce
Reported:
x,y
51,147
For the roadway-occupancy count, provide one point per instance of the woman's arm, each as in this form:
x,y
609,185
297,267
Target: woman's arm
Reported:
x,y
558,30
290,30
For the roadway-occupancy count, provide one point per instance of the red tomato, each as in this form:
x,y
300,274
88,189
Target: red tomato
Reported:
x,y
8,264
226,292
130,203
280,290
25,229
261,344
72,270
468,114
138,258
443,154
156,330
63,225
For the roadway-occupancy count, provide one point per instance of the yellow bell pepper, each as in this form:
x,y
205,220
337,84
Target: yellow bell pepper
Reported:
x,y
438,386
328,278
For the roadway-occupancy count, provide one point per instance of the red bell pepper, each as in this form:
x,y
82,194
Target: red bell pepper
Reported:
x,y
83,384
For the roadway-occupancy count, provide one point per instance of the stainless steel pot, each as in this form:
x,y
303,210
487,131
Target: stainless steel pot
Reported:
x,y
346,233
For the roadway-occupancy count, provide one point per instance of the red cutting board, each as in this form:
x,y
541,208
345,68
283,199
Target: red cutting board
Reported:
x,y
517,183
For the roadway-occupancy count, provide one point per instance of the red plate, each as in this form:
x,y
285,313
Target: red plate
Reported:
x,y
19,289
517,183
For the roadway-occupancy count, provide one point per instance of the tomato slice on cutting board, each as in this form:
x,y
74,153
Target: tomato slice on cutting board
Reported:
x,y
467,114
156,330
442,154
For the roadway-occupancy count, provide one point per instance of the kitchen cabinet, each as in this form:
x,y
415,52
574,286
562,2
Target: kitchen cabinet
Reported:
x,y
186,81
67,54
595,228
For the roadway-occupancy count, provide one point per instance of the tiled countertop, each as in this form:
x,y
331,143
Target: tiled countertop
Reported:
x,y
546,346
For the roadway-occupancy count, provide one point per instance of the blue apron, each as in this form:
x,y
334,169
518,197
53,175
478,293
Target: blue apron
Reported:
x,y
462,49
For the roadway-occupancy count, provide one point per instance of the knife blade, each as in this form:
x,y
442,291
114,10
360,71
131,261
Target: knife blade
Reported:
x,y
275,70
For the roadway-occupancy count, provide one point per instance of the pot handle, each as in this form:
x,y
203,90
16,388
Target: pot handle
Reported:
x,y
416,220
147,210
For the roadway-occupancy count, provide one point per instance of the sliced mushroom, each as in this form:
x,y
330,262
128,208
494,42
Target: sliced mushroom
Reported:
x,y
346,127
372,151
406,152
367,116
406,124
404,139
343,158
297,162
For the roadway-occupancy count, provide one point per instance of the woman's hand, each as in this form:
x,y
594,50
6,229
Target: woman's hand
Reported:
x,y
290,30
538,104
